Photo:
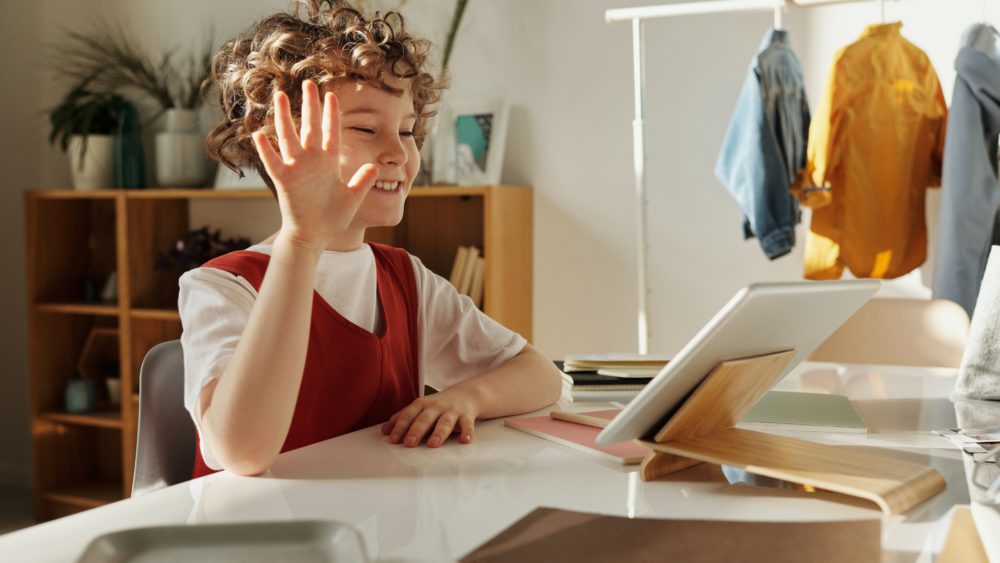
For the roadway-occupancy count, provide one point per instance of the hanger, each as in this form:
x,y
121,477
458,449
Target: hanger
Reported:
x,y
881,11
779,23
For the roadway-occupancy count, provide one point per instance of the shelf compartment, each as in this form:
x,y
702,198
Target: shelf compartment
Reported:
x,y
57,343
77,466
79,309
70,241
86,494
154,226
101,419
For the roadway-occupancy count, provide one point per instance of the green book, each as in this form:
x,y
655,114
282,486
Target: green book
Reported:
x,y
814,412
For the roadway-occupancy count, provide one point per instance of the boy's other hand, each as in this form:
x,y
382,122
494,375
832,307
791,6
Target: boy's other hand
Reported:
x,y
316,203
435,418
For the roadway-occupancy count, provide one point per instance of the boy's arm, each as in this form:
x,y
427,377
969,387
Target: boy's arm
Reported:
x,y
246,413
526,382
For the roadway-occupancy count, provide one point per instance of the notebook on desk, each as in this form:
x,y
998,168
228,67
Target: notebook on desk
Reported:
x,y
805,412
578,437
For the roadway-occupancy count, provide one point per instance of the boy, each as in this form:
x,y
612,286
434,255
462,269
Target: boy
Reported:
x,y
339,334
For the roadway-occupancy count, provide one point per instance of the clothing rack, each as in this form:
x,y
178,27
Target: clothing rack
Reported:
x,y
637,16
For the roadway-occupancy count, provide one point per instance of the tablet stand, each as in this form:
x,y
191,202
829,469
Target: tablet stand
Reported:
x,y
703,430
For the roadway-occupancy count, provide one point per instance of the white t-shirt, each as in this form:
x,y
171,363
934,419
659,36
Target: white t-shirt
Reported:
x,y
457,340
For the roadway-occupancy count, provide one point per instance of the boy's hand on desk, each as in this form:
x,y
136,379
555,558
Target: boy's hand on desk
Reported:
x,y
316,203
435,417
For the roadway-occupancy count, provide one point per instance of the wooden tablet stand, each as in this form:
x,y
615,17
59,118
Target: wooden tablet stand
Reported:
x,y
703,430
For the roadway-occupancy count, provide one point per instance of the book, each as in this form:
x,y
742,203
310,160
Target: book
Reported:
x,y
630,373
603,395
810,412
468,270
476,291
458,268
583,386
578,437
593,362
597,419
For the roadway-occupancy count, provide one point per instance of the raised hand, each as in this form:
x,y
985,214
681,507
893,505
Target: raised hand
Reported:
x,y
316,204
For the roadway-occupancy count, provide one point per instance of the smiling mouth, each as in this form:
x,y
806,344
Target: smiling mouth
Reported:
x,y
388,185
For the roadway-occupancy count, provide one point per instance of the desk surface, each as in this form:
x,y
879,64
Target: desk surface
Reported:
x,y
436,505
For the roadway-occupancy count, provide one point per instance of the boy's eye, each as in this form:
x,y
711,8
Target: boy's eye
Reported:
x,y
363,129
406,133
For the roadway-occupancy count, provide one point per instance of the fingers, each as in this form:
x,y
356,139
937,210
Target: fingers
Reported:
x,y
466,429
311,131
421,425
363,179
331,124
270,157
444,427
387,425
284,127
403,419
410,425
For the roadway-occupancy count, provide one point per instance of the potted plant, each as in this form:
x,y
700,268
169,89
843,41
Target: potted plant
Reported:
x,y
83,124
112,57
196,248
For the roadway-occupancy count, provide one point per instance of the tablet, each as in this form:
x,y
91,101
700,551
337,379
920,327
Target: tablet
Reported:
x,y
760,319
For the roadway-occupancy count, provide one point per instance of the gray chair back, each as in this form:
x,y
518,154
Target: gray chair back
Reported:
x,y
164,451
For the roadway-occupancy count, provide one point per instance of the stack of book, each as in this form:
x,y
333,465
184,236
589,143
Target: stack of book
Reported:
x,y
608,377
467,273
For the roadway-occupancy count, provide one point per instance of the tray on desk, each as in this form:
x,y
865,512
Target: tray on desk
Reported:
x,y
289,542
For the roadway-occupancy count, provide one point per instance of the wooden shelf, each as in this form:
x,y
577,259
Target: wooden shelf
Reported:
x,y
199,193
88,494
73,236
79,309
252,193
100,419
76,194
156,314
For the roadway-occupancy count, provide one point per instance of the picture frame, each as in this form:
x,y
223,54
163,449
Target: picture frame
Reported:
x,y
470,142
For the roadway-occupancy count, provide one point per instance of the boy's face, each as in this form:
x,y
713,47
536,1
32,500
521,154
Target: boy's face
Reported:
x,y
377,127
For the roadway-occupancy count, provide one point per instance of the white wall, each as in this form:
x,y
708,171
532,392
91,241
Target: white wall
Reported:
x,y
568,76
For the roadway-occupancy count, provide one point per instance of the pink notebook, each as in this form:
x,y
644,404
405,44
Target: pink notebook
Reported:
x,y
580,437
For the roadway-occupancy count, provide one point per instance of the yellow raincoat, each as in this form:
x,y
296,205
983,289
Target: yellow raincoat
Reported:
x,y
875,146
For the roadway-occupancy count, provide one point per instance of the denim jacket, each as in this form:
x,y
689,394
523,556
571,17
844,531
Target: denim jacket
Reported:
x,y
765,145
970,194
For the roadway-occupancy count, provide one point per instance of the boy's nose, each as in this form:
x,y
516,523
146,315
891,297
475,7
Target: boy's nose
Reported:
x,y
393,153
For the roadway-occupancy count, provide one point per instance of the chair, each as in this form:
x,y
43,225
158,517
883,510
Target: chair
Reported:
x,y
164,451
909,332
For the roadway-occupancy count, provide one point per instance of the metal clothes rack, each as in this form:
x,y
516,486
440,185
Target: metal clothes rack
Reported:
x,y
637,16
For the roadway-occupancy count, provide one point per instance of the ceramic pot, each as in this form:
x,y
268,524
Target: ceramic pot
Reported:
x,y
114,390
93,169
81,396
180,158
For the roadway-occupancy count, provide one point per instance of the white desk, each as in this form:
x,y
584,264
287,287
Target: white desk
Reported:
x,y
436,505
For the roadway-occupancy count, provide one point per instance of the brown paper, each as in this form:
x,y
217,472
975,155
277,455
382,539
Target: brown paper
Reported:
x,y
548,534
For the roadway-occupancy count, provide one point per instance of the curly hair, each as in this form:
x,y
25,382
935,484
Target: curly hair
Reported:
x,y
330,42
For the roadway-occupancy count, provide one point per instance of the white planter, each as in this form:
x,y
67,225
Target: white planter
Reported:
x,y
97,169
180,156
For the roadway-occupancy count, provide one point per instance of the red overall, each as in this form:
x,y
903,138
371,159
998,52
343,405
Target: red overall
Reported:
x,y
352,378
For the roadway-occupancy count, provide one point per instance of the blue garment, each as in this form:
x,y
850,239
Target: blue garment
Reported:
x,y
970,197
765,147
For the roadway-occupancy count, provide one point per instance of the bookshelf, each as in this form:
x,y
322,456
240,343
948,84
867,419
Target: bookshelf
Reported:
x,y
82,461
